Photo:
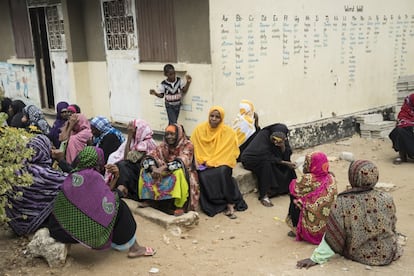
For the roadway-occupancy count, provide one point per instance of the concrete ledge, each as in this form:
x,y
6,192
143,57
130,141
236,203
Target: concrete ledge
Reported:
x,y
246,179
167,221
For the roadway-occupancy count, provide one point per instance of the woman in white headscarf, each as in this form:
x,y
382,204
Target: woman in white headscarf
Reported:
x,y
246,124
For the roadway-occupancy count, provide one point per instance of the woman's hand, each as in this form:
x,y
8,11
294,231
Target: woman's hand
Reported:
x,y
157,173
113,169
305,263
131,129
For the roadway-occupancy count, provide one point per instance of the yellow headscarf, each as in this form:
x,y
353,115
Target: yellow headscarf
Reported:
x,y
244,122
215,147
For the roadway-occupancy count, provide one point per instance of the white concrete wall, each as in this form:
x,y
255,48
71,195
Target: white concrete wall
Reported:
x,y
90,88
299,70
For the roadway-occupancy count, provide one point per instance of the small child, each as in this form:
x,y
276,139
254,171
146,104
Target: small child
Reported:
x,y
173,88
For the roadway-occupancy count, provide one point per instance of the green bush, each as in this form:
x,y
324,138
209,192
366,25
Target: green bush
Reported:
x,y
13,153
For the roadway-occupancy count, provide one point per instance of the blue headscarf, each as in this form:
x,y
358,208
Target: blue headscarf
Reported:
x,y
104,126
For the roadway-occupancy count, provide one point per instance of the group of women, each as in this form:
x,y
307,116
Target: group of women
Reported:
x,y
180,174
359,223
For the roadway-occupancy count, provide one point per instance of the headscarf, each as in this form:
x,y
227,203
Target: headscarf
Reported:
x,y
315,191
89,158
406,114
58,124
36,118
30,210
278,137
74,108
80,135
217,146
363,175
104,126
244,124
17,109
86,208
141,142
183,152
182,149
361,224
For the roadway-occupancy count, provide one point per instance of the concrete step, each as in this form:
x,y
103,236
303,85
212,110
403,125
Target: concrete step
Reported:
x,y
247,184
246,179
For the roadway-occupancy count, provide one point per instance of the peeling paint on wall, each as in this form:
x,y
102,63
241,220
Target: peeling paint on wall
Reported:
x,y
19,82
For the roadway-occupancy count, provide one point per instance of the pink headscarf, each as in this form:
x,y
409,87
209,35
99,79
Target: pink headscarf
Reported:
x,y
80,135
315,191
141,142
406,115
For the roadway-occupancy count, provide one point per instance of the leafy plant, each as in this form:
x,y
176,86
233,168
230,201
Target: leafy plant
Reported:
x,y
13,153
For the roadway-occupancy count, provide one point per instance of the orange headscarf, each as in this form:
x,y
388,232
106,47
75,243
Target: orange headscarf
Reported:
x,y
215,147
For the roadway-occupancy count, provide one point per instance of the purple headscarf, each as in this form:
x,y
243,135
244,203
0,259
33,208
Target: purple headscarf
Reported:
x,y
58,124
37,200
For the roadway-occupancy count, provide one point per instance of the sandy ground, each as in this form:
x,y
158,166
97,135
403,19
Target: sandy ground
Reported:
x,y
254,244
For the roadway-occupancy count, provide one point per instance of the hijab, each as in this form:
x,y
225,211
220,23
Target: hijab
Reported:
x,y
217,146
104,126
406,115
16,118
30,210
36,118
58,124
363,174
142,141
80,135
86,208
244,124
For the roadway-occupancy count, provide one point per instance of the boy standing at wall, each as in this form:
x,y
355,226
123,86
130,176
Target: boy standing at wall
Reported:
x,y
173,89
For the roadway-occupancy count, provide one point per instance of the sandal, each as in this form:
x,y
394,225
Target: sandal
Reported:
x,y
397,161
291,234
266,202
230,214
178,212
149,252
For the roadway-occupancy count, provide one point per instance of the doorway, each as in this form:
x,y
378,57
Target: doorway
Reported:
x,y
42,57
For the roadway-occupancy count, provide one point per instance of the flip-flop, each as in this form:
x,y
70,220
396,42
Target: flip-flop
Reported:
x,y
291,234
178,212
230,215
266,202
149,252
397,161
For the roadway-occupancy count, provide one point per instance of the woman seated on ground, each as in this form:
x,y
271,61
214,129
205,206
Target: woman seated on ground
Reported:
x,y
75,136
246,125
33,116
311,197
106,136
216,150
168,179
62,115
30,211
16,114
361,223
402,136
124,165
102,219
268,157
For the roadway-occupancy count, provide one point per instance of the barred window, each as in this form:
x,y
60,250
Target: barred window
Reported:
x,y
119,25
55,28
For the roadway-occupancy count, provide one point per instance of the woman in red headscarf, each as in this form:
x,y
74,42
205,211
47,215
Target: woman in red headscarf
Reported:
x,y
402,136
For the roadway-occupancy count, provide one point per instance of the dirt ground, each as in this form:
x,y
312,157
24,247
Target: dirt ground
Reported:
x,y
254,244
